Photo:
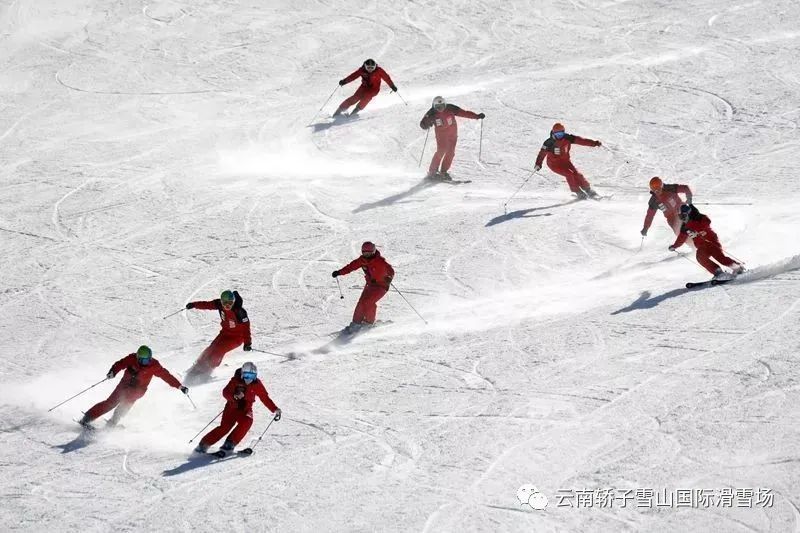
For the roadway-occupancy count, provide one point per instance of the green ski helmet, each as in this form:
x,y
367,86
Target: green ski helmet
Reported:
x,y
144,354
227,298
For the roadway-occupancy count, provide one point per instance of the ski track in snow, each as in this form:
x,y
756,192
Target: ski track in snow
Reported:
x,y
157,153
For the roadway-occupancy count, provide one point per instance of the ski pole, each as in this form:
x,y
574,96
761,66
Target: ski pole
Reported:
x,y
409,303
641,245
423,148
323,105
191,401
690,260
480,143
268,353
204,427
724,251
173,314
505,205
262,433
341,294
81,392
401,98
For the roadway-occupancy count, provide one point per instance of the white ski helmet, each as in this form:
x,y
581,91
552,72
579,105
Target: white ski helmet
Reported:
x,y
249,372
439,103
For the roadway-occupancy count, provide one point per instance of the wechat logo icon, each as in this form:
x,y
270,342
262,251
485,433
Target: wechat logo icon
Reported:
x,y
530,496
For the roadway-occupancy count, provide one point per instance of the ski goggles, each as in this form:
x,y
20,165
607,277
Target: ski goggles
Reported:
x,y
227,305
249,377
559,134
144,361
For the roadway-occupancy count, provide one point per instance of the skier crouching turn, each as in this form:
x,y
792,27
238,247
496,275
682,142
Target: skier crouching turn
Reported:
x,y
378,274
140,367
698,226
240,393
556,149
371,75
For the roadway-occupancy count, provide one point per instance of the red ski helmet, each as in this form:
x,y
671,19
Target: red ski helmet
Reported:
x,y
557,127
656,185
368,249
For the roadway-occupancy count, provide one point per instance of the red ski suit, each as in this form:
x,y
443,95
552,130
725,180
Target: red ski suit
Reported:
x,y
446,134
238,411
234,333
378,274
705,240
669,203
370,87
133,385
557,153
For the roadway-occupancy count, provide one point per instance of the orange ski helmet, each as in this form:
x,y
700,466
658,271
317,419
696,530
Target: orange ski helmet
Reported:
x,y
557,127
656,185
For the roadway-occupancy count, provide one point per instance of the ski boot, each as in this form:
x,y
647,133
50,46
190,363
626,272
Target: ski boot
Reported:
x,y
352,328
354,113
86,422
201,448
738,269
721,275
590,193
445,176
580,194
225,449
337,113
432,176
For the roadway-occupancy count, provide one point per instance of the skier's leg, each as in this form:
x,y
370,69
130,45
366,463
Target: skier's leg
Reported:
x,y
365,99
704,258
717,253
579,179
349,101
243,425
567,174
106,405
359,312
224,344
229,417
450,152
371,304
437,158
124,406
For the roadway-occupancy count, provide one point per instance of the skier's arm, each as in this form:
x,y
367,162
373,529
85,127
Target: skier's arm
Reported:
x,y
385,77
389,274
168,378
686,191
206,306
427,121
355,264
457,111
648,219
229,390
682,236
584,142
351,77
261,392
540,157
248,340
123,363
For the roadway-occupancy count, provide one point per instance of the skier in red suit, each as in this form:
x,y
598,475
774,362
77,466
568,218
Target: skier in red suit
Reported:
x,y
556,149
235,332
442,116
240,393
371,75
665,197
140,367
378,274
698,226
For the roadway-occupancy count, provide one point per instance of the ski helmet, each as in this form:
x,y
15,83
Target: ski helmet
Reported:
x,y
656,184
249,372
368,249
686,209
557,131
439,103
370,65
144,354
227,298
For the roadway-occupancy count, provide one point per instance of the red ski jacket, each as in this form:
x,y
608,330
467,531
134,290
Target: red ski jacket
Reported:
x,y
234,321
699,228
376,270
557,150
668,202
138,376
445,121
371,80
252,391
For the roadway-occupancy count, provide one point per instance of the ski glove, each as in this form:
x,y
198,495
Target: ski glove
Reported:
x,y
481,116
247,347
184,390
190,305
110,374
238,395
335,274
537,168
277,415
387,280
598,143
644,232
341,82
671,247
393,88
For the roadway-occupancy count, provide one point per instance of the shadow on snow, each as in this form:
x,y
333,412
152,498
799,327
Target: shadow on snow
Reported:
x,y
644,301
523,213
389,200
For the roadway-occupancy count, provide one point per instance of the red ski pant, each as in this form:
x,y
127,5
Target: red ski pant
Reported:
x,y
212,356
706,251
367,306
445,151
231,417
362,96
575,179
123,396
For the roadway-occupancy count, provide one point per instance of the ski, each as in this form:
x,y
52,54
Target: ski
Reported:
x,y
709,283
221,454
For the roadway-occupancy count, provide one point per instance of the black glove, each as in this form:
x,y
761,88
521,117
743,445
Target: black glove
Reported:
x,y
110,374
387,280
277,415
190,305
247,347
393,88
342,82
671,248
238,395
537,168
598,143
481,116
644,232
184,390
335,274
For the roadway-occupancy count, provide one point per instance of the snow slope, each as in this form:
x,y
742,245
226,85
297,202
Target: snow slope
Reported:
x,y
157,152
